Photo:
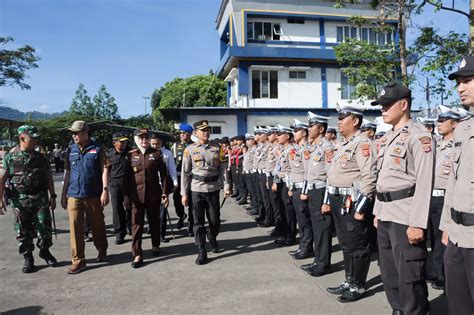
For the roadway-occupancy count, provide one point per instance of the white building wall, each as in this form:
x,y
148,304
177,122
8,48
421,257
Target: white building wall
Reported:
x,y
228,123
307,32
333,77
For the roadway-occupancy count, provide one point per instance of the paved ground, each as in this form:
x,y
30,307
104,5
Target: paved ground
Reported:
x,y
250,276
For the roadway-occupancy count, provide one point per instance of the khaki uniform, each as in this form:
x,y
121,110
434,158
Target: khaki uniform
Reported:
x,y
203,174
315,170
249,175
457,220
404,188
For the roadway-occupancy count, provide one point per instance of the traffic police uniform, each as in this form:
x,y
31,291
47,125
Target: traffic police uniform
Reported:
x,y
248,176
297,185
120,174
265,218
275,198
316,175
404,187
203,174
457,218
350,186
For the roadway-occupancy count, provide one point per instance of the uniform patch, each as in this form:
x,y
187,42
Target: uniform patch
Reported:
x,y
426,144
306,155
446,171
383,140
292,154
328,155
403,136
396,160
365,147
397,150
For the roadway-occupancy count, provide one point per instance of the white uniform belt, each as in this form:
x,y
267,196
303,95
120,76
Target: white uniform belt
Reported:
x,y
246,172
317,185
298,185
269,174
438,193
253,171
260,171
339,190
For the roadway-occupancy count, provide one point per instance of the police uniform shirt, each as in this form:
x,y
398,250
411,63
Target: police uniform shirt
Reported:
x,y
460,189
272,157
283,168
405,158
177,149
202,160
319,161
248,158
354,164
119,164
262,157
443,163
297,156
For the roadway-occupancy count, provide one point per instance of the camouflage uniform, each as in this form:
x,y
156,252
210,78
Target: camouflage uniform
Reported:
x,y
28,174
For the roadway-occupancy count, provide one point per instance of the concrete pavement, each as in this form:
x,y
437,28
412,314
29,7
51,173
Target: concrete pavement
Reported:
x,y
251,275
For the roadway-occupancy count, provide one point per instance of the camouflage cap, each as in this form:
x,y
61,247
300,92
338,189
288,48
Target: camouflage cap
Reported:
x,y
28,130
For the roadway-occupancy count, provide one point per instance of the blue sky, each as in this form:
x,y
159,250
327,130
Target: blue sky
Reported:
x,y
131,46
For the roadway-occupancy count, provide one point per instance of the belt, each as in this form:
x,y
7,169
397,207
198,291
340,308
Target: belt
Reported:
x,y
269,174
260,171
462,218
339,190
206,179
253,171
438,193
246,172
396,195
298,185
316,185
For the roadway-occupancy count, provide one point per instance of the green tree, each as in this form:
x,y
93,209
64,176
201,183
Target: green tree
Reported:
x,y
81,102
15,63
104,105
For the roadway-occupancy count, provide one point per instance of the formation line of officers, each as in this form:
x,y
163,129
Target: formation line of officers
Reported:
x,y
392,192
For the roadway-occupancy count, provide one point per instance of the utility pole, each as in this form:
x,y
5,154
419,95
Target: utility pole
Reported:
x,y
146,98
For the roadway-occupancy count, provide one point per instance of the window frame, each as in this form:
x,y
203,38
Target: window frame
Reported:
x,y
267,89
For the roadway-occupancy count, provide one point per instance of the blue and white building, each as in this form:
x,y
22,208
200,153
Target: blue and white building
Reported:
x,y
277,59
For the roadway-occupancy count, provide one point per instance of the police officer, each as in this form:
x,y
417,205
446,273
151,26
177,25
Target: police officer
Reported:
x,y
369,128
29,175
457,219
350,187
321,153
281,184
331,135
265,217
275,197
177,149
248,176
447,120
120,174
428,123
404,187
149,189
297,185
239,159
202,175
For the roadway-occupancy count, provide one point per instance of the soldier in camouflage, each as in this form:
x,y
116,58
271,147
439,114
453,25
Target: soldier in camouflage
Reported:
x,y
29,176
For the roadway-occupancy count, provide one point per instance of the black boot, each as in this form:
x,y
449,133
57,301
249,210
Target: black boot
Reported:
x,y
357,288
48,257
349,269
29,265
180,223
202,255
214,246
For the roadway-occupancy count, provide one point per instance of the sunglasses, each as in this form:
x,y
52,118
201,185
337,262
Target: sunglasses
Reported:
x,y
144,137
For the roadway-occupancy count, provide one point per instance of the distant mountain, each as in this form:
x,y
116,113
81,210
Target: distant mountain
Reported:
x,y
14,114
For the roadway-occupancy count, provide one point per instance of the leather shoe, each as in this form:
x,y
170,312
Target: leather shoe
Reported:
x,y
300,255
119,241
354,293
29,265
317,271
155,251
343,287
77,268
438,285
137,263
294,252
48,257
289,242
263,224
214,246
397,312
202,257
252,213
102,257
309,266
242,202
165,240
275,233
180,223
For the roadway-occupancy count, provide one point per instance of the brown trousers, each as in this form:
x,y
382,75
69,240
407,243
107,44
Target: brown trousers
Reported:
x,y
138,221
95,215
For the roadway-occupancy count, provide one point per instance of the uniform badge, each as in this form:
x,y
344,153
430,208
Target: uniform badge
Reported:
x,y
135,169
446,171
403,136
397,160
306,155
397,150
328,155
343,164
292,154
426,144
365,149
383,140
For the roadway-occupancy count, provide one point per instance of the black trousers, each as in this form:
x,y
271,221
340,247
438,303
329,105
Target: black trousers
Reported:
x,y
121,217
322,228
179,206
58,165
303,218
206,204
352,234
276,203
232,180
290,213
437,248
260,207
459,271
267,213
242,186
402,267
251,187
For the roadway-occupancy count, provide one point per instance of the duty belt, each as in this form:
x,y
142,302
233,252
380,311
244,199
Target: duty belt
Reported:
x,y
299,185
316,185
438,193
269,174
462,218
253,171
246,172
260,171
396,195
339,190
205,179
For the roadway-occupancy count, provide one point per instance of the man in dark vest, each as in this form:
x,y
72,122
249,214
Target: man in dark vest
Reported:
x,y
85,190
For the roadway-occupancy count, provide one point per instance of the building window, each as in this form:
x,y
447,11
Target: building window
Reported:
x,y
264,84
297,74
295,20
364,33
216,130
347,90
263,31
344,32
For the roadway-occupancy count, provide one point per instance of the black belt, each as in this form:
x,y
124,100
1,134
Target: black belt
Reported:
x,y
206,179
396,195
462,218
